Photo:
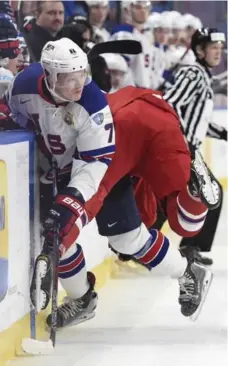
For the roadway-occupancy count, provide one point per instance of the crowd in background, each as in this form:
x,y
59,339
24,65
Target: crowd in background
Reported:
x,y
89,22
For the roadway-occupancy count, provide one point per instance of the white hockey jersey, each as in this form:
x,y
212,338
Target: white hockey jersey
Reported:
x,y
6,77
82,132
141,64
100,34
179,55
159,65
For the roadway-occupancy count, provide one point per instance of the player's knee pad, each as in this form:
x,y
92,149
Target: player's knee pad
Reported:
x,y
130,242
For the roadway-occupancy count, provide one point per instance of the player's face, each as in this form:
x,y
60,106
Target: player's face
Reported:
x,y
15,65
70,85
98,14
175,36
161,35
51,16
117,78
213,54
140,11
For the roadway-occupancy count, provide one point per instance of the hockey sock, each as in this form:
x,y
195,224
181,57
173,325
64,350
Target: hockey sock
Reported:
x,y
73,273
158,251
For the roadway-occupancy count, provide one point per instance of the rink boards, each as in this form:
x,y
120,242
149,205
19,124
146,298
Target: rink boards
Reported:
x,y
19,233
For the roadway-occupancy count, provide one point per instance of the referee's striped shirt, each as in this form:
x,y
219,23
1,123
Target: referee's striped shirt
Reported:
x,y
191,96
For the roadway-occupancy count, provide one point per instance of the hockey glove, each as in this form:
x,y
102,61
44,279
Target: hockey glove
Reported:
x,y
68,211
203,184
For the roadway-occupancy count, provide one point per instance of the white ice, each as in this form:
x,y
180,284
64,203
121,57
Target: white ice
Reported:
x,y
138,322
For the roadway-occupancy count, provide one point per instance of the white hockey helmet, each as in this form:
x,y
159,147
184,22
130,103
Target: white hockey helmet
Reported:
x,y
159,20
126,4
97,3
115,62
176,20
153,20
192,21
62,56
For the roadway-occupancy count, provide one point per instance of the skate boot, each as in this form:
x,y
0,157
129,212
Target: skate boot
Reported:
x,y
73,312
194,286
196,255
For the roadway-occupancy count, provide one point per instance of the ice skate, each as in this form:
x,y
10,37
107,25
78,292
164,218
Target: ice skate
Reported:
x,y
194,286
196,255
73,312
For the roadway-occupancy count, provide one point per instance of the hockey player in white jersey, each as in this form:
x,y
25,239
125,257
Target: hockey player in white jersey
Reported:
x,y
120,73
138,12
178,53
71,118
161,28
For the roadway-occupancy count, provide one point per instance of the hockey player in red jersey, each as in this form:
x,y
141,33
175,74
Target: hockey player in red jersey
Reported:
x,y
150,147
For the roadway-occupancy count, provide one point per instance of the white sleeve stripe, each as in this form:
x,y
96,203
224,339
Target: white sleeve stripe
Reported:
x,y
189,226
188,214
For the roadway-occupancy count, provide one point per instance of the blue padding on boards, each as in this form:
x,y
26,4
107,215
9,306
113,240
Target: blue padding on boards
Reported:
x,y
12,137
3,277
32,208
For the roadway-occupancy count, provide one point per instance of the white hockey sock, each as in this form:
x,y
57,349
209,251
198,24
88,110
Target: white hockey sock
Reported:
x,y
73,273
159,252
173,264
152,249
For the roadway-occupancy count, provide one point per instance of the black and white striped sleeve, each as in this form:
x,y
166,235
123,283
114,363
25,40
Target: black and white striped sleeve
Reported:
x,y
217,132
189,98
183,89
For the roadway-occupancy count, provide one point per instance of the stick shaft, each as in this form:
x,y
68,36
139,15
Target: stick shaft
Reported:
x,y
55,264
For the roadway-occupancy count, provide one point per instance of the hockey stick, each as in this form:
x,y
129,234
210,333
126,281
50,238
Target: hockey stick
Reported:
x,y
123,46
33,346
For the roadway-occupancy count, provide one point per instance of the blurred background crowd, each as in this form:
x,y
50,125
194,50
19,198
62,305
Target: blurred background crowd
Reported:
x,y
167,27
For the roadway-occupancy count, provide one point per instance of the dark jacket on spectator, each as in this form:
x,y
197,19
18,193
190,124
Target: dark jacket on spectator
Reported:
x,y
36,38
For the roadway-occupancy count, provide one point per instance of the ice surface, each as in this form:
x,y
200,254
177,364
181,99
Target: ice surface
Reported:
x,y
138,322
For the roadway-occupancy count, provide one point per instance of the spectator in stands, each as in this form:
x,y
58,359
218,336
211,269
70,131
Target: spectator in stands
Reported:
x,y
98,12
9,50
48,22
79,30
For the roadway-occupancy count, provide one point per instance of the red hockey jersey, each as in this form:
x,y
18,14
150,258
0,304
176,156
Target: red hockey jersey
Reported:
x,y
151,146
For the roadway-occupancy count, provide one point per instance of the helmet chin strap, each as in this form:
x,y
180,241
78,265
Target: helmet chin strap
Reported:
x,y
203,62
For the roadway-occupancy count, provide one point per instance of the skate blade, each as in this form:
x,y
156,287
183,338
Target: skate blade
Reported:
x,y
83,319
206,284
79,320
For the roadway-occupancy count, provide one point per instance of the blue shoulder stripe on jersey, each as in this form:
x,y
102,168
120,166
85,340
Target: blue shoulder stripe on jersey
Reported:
x,y
26,82
92,99
98,152
122,28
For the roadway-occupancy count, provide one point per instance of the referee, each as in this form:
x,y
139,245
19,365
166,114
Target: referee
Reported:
x,y
191,96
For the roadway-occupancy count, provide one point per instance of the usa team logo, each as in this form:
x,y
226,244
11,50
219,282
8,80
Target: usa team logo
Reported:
x,y
98,118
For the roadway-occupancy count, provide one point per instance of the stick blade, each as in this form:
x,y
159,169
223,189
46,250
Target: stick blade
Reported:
x,y
130,47
35,347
